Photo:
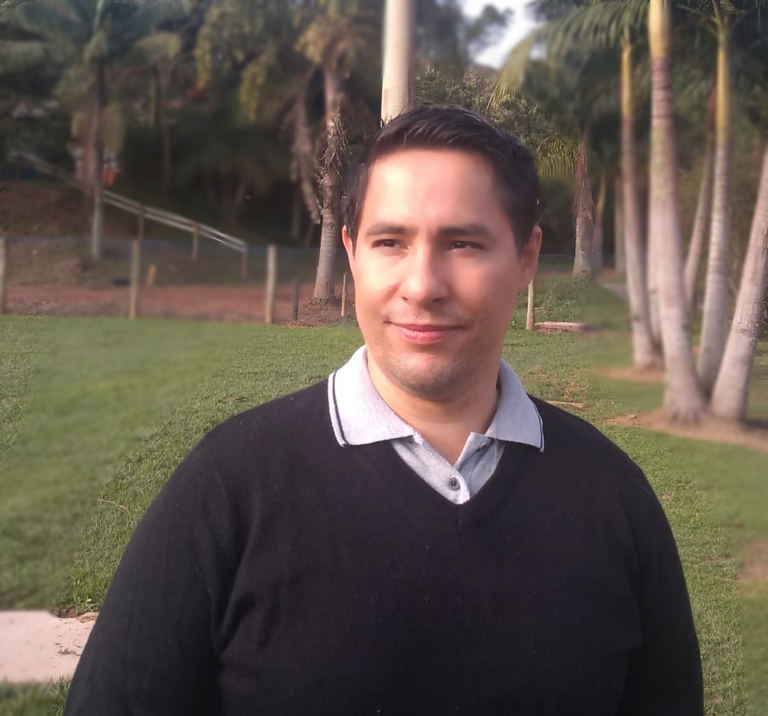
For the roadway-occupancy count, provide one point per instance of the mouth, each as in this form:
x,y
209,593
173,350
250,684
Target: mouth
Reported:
x,y
424,333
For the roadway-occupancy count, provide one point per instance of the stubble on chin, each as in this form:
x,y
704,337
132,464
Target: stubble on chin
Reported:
x,y
436,378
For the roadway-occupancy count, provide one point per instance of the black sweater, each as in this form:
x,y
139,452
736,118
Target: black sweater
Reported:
x,y
279,573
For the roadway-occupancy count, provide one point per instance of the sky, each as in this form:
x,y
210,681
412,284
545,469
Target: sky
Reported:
x,y
520,26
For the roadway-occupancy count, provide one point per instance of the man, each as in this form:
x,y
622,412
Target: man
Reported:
x,y
414,535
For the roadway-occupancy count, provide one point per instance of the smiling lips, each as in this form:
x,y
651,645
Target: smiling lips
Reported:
x,y
424,334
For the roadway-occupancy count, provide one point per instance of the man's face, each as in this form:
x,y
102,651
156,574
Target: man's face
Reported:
x,y
436,272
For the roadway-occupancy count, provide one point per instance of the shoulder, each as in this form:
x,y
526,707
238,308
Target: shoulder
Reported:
x,y
578,446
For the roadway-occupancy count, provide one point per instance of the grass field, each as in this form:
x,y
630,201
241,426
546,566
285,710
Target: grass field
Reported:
x,y
99,411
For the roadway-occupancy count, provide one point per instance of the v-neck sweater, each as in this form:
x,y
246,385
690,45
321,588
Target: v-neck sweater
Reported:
x,y
280,573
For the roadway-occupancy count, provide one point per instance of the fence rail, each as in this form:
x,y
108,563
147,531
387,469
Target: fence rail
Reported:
x,y
150,213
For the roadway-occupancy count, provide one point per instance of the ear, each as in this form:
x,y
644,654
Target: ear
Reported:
x,y
529,259
349,247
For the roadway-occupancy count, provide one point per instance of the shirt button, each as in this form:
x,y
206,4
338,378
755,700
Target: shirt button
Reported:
x,y
454,484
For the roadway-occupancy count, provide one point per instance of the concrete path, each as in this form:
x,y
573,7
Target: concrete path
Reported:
x,y
37,646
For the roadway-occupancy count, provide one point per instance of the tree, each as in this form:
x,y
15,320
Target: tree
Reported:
x,y
731,389
336,36
729,396
702,218
161,51
683,399
399,70
645,350
76,34
716,312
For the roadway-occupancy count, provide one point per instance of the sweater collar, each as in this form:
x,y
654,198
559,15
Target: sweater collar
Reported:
x,y
360,416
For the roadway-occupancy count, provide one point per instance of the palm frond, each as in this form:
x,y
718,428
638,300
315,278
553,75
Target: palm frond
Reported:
x,y
557,156
20,56
159,48
44,21
73,91
594,27
83,10
253,80
152,15
512,74
98,47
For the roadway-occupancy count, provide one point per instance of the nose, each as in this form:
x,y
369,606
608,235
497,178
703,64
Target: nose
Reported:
x,y
424,281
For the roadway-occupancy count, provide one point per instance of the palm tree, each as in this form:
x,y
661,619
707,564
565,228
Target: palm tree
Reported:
x,y
335,38
683,399
93,35
702,217
161,51
645,349
398,71
568,91
730,392
729,396
714,329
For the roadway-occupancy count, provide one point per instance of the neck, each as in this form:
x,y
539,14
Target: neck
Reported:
x,y
447,422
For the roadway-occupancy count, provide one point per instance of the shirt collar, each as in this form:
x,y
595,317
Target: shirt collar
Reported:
x,y
360,415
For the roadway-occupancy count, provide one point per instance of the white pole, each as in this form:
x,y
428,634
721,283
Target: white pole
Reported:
x,y
399,54
269,312
3,271
529,320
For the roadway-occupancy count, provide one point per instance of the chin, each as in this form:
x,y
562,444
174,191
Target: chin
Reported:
x,y
428,381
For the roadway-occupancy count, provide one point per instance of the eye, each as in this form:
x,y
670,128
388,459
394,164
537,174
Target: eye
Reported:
x,y
463,245
386,243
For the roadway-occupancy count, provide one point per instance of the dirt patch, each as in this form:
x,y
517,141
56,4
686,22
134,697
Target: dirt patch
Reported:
x,y
38,646
638,375
709,428
219,303
754,571
43,209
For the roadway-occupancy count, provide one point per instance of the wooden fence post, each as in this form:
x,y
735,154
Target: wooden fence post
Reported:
x,y
3,271
135,267
133,308
195,239
529,318
295,299
344,295
269,312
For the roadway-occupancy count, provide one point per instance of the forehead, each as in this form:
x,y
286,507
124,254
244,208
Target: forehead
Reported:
x,y
416,181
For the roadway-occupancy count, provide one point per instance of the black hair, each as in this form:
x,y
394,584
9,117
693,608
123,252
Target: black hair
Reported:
x,y
435,126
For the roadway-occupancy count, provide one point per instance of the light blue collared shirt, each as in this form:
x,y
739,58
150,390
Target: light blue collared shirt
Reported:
x,y
360,416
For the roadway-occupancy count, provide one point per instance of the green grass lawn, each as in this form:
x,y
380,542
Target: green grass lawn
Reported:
x,y
99,411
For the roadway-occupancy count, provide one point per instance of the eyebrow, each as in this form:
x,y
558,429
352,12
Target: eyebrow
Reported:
x,y
386,228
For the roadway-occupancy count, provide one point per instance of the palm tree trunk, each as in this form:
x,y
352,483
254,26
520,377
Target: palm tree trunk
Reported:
x,y
97,225
398,62
152,100
295,230
165,133
597,239
331,231
714,330
645,350
619,244
729,397
652,270
683,399
699,232
584,212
